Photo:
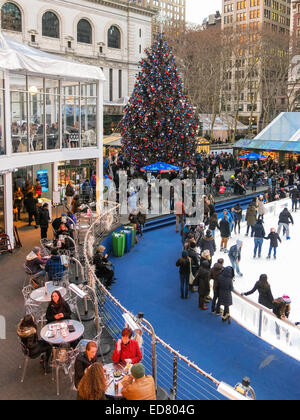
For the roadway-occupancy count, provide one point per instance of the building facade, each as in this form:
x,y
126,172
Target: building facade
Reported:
x,y
174,11
110,34
254,15
294,76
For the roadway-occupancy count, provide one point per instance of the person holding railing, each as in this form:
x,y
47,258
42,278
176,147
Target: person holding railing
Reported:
x,y
264,290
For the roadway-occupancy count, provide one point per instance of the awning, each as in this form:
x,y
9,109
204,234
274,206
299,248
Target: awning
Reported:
x,y
268,145
20,57
113,141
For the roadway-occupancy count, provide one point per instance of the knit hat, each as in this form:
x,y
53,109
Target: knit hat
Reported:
x,y
287,300
138,371
239,244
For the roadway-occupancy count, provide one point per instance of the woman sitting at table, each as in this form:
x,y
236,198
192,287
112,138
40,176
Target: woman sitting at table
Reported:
x,y
92,386
127,350
84,361
58,309
27,332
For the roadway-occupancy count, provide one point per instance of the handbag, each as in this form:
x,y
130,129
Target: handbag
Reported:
x,y
192,278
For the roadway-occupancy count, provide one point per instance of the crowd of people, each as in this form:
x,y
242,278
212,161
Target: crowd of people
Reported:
x,y
196,267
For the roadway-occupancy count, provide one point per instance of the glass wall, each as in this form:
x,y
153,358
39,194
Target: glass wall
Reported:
x,y
48,114
2,227
2,138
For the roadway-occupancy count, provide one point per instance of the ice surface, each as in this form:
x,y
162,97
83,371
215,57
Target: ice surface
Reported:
x,y
283,273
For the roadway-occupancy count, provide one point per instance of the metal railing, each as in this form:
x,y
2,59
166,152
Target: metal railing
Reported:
x,y
176,374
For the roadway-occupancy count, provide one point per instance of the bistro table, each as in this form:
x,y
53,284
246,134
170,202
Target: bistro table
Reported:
x,y
112,381
40,296
57,335
54,333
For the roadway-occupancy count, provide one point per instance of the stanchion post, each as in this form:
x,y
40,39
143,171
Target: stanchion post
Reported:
x,y
175,375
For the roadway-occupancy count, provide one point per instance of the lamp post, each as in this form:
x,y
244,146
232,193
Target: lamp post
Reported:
x,y
140,318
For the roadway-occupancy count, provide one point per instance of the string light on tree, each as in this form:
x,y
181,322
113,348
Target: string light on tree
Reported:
x,y
159,124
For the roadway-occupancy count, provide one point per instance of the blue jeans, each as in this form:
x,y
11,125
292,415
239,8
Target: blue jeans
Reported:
x,y
258,246
270,251
252,230
184,285
295,204
235,265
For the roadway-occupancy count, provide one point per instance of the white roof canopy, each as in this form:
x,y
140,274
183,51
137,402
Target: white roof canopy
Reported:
x,y
19,57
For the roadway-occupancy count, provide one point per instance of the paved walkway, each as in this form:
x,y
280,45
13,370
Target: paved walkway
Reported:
x,y
36,386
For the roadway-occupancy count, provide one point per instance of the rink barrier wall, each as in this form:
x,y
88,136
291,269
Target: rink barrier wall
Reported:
x,y
257,319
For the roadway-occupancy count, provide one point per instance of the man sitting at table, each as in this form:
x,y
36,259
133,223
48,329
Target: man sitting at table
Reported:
x,y
54,267
35,264
84,361
127,350
138,386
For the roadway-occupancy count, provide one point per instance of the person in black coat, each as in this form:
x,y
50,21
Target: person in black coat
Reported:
x,y
265,295
194,257
225,293
58,309
208,243
104,270
30,203
259,236
27,332
285,218
225,233
44,219
214,275
202,279
184,264
84,361
274,238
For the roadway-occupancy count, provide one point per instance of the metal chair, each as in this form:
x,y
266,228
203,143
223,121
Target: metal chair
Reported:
x,y
65,359
27,357
44,251
72,301
26,291
37,311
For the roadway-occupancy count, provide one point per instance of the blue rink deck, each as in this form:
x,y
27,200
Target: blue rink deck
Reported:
x,y
148,281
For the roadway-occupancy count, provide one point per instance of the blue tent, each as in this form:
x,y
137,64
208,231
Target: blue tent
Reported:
x,y
160,167
253,156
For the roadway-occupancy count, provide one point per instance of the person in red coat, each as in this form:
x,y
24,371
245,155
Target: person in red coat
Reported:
x,y
127,350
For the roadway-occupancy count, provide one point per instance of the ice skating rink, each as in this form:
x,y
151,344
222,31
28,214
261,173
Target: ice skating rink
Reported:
x,y
283,273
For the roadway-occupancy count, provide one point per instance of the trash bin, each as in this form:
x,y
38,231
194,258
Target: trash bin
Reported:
x,y
118,240
128,239
132,227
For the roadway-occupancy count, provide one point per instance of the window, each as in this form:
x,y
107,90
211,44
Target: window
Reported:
x,y
84,32
50,24
11,17
114,38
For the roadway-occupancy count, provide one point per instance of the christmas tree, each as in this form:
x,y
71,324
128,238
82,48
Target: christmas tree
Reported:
x,y
159,123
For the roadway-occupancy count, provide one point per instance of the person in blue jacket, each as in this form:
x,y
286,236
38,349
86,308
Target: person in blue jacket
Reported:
x,y
230,218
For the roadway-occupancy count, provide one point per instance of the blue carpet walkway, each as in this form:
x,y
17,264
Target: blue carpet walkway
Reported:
x,y
148,281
